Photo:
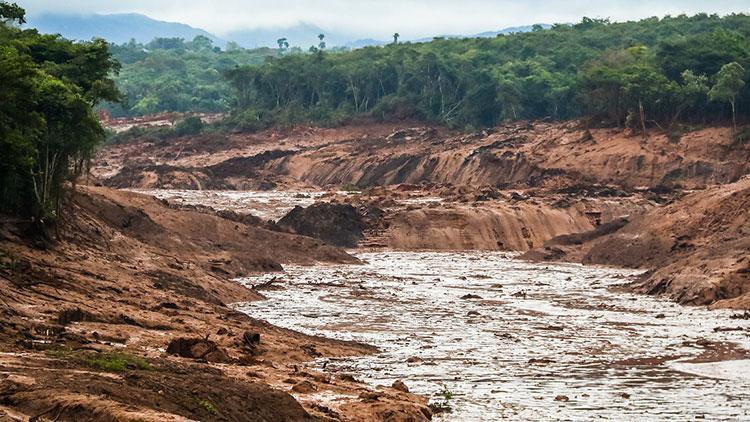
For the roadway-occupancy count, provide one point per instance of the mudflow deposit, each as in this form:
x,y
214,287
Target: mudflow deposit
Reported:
x,y
389,272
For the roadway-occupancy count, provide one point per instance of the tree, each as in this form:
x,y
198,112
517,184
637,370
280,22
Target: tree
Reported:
x,y
48,129
322,44
396,36
283,44
729,82
11,12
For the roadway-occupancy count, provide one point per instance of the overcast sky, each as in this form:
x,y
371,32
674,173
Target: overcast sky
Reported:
x,y
381,18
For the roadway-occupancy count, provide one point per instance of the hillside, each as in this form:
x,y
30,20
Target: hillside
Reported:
x,y
124,317
115,28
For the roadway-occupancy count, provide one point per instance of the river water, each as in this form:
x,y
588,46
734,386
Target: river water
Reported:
x,y
531,342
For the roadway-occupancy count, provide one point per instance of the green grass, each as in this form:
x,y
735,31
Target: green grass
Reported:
x,y
106,361
208,406
115,361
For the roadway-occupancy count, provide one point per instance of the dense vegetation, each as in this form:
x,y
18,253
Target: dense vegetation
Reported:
x,y
48,129
170,74
638,74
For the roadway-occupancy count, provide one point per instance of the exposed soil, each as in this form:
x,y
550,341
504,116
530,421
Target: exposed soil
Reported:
x,y
125,317
518,155
558,190
697,247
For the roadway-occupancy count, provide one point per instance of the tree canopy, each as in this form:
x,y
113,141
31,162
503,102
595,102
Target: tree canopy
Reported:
x,y
650,72
47,126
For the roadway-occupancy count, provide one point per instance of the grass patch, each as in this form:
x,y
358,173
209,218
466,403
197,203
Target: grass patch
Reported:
x,y
106,361
208,406
115,361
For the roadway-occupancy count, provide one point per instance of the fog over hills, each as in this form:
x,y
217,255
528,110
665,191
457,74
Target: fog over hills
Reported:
x,y
121,28
116,28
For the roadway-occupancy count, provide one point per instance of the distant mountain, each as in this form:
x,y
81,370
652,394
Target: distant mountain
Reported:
x,y
303,35
489,34
511,30
116,28
120,28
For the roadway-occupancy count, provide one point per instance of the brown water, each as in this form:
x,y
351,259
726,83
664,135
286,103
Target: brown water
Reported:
x,y
536,332
268,205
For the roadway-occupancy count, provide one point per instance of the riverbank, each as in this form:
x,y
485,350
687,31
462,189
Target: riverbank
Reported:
x,y
125,317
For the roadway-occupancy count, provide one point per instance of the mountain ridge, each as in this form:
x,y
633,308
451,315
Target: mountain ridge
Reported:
x,y
122,27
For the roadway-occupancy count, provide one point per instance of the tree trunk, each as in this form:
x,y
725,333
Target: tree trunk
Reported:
x,y
643,118
734,119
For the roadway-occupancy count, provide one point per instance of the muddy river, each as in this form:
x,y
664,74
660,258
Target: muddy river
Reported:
x,y
494,337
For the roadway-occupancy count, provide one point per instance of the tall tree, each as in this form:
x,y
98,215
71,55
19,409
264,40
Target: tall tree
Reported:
x,y
729,81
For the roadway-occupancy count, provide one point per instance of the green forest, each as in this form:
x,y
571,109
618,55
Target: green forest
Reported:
x,y
48,129
655,72
171,74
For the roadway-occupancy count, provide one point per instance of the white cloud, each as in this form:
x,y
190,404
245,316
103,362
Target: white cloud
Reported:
x,y
372,18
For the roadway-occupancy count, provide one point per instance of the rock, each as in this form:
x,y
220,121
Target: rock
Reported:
x,y
336,224
222,331
400,386
197,348
250,339
660,316
473,313
370,396
75,315
304,387
471,296
348,378
626,396
414,359
562,398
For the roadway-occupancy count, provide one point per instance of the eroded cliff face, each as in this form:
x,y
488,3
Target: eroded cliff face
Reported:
x,y
696,248
519,155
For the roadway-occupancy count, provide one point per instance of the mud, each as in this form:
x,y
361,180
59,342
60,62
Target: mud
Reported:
x,y
529,334
519,155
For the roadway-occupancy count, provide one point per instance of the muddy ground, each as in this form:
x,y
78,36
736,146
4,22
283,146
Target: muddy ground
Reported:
x,y
125,317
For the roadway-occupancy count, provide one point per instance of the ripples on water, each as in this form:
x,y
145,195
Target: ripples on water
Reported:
x,y
536,332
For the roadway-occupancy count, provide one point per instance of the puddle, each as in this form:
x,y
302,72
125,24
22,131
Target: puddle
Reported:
x,y
528,334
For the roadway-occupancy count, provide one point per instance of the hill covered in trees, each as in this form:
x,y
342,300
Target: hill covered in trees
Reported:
x,y
646,73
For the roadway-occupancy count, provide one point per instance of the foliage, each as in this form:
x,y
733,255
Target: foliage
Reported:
x,y
208,406
115,361
729,82
48,130
646,73
171,74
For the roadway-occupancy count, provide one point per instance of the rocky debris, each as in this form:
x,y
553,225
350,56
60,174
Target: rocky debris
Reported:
x,y
250,340
470,296
370,396
562,398
304,387
196,348
76,315
581,238
400,386
336,224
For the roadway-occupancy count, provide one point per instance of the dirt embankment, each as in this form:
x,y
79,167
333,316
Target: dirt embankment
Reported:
x,y
514,156
409,217
697,248
126,318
